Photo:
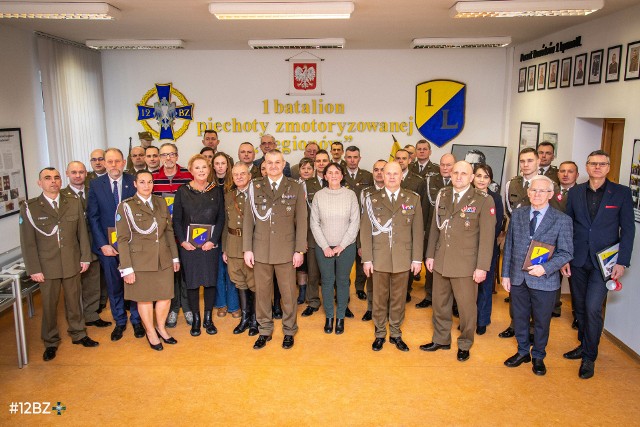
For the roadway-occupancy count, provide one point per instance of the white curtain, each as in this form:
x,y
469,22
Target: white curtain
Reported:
x,y
73,101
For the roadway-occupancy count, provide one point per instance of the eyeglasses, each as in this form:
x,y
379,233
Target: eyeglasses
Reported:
x,y
536,191
97,159
595,164
165,155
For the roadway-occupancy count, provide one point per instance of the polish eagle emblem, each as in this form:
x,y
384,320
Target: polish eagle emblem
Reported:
x,y
304,76
164,112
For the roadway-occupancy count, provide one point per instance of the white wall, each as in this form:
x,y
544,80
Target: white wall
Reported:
x,y
373,86
560,110
21,107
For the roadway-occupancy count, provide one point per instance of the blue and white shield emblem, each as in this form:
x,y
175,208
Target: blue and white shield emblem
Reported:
x,y
440,106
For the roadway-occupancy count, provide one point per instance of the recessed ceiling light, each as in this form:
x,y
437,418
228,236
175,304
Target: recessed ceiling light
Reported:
x,y
34,10
524,8
254,10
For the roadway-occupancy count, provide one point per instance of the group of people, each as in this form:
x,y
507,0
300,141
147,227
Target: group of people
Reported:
x,y
261,237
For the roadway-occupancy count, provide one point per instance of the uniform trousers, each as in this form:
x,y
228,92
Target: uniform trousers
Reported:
x,y
313,279
389,301
369,284
91,292
240,274
465,291
589,291
50,291
286,275
527,302
115,289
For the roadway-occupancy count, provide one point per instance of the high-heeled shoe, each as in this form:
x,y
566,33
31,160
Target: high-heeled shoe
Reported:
x,y
328,326
170,340
156,347
339,326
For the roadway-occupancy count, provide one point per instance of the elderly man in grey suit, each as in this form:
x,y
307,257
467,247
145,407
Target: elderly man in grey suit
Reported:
x,y
533,289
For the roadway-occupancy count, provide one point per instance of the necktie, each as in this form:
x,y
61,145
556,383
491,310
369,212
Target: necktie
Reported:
x,y
393,200
116,195
526,185
456,199
81,194
274,187
564,193
533,222
353,176
55,206
421,167
541,171
148,205
446,181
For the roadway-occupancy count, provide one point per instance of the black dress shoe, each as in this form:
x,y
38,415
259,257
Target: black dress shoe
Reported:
x,y
138,330
554,314
98,323
49,353
587,368
156,347
276,312
507,333
348,313
367,316
507,299
408,297
574,324
432,346
463,355
339,326
86,342
416,277
308,311
328,325
117,332
377,344
481,330
287,342
574,354
517,360
538,367
261,341
100,308
423,304
400,345
361,295
170,340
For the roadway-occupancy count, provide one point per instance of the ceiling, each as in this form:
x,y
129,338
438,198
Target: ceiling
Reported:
x,y
374,24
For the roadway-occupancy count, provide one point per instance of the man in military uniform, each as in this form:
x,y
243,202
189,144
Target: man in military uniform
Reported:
x,y
546,154
310,151
267,144
241,275
516,196
378,184
56,250
246,155
391,236
146,139
97,165
357,179
77,173
423,166
312,186
459,255
274,239
337,150
137,156
210,139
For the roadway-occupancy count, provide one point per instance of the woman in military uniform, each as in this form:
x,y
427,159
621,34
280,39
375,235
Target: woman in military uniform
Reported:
x,y
148,256
200,202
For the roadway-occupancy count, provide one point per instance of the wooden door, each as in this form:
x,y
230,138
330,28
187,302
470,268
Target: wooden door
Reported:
x,y
612,136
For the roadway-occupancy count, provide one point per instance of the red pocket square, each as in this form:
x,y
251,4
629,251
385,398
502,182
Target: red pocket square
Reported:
x,y
611,207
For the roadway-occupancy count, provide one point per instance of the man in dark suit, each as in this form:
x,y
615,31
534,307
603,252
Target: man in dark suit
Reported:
x,y
533,291
77,189
105,193
56,250
602,214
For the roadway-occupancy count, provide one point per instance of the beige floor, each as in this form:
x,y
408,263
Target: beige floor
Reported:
x,y
324,380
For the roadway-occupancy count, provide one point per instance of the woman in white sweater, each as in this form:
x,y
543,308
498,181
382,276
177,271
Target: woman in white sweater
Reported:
x,y
334,222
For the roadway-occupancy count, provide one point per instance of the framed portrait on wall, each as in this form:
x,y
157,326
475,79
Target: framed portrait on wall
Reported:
x,y
14,184
483,154
542,76
634,179
595,67
632,70
612,67
565,76
522,80
553,74
579,74
531,78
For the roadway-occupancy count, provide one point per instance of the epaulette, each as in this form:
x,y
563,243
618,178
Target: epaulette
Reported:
x,y
129,199
553,167
480,192
410,191
518,178
153,195
32,200
445,189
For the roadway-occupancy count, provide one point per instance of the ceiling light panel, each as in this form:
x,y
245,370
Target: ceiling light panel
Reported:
x,y
34,10
323,10
333,43
134,44
453,43
524,8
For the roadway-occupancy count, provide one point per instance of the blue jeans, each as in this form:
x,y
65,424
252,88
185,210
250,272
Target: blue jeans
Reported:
x,y
226,292
485,292
336,270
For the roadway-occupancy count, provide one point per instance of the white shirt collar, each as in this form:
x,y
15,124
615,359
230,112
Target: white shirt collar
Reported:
x,y
389,193
146,200
462,193
57,200
277,182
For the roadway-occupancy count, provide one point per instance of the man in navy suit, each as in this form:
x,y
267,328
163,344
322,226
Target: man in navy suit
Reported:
x,y
602,214
533,292
105,193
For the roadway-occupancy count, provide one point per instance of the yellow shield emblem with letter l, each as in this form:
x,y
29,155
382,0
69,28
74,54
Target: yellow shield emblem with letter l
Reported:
x,y
440,109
